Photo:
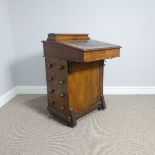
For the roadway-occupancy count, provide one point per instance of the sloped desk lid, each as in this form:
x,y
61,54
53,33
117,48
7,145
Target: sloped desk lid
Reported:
x,y
78,47
90,45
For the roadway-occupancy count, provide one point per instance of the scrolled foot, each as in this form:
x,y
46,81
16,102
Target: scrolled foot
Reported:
x,y
102,105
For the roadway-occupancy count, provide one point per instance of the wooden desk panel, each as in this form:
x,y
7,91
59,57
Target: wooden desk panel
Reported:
x,y
67,37
84,85
100,55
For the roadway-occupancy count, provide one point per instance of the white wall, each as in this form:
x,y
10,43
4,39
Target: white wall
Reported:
x,y
129,23
6,50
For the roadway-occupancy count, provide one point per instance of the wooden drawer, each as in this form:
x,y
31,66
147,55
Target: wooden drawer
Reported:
x,y
100,55
56,71
58,105
54,86
56,65
53,81
60,94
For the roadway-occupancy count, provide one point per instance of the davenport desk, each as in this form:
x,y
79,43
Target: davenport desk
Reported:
x,y
74,73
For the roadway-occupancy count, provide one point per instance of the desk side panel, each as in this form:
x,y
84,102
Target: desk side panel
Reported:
x,y
59,51
85,86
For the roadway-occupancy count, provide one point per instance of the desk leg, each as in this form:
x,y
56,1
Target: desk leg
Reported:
x,y
102,105
73,118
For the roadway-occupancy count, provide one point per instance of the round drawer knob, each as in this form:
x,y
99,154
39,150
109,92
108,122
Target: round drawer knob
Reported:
x,y
49,65
62,95
51,91
50,79
69,118
52,102
60,67
61,82
62,108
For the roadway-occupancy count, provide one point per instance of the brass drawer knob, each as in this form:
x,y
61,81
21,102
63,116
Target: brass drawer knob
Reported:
x,y
62,95
61,82
60,67
62,108
52,102
51,91
50,79
49,65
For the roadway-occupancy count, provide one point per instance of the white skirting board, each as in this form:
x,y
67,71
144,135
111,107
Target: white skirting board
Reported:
x,y
31,89
129,90
107,91
7,96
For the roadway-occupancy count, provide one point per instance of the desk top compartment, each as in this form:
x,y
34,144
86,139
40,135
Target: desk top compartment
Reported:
x,y
78,47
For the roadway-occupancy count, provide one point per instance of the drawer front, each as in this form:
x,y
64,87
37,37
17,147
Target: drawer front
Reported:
x,y
57,83
56,74
56,69
59,93
58,105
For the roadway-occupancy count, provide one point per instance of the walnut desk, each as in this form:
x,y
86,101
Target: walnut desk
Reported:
x,y
74,73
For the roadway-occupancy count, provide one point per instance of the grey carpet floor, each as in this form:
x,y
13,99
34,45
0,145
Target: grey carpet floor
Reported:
x,y
126,127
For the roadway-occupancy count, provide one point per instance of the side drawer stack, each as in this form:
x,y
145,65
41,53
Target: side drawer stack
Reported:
x,y
56,74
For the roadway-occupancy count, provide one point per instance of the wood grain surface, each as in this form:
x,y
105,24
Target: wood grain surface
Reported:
x,y
84,85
